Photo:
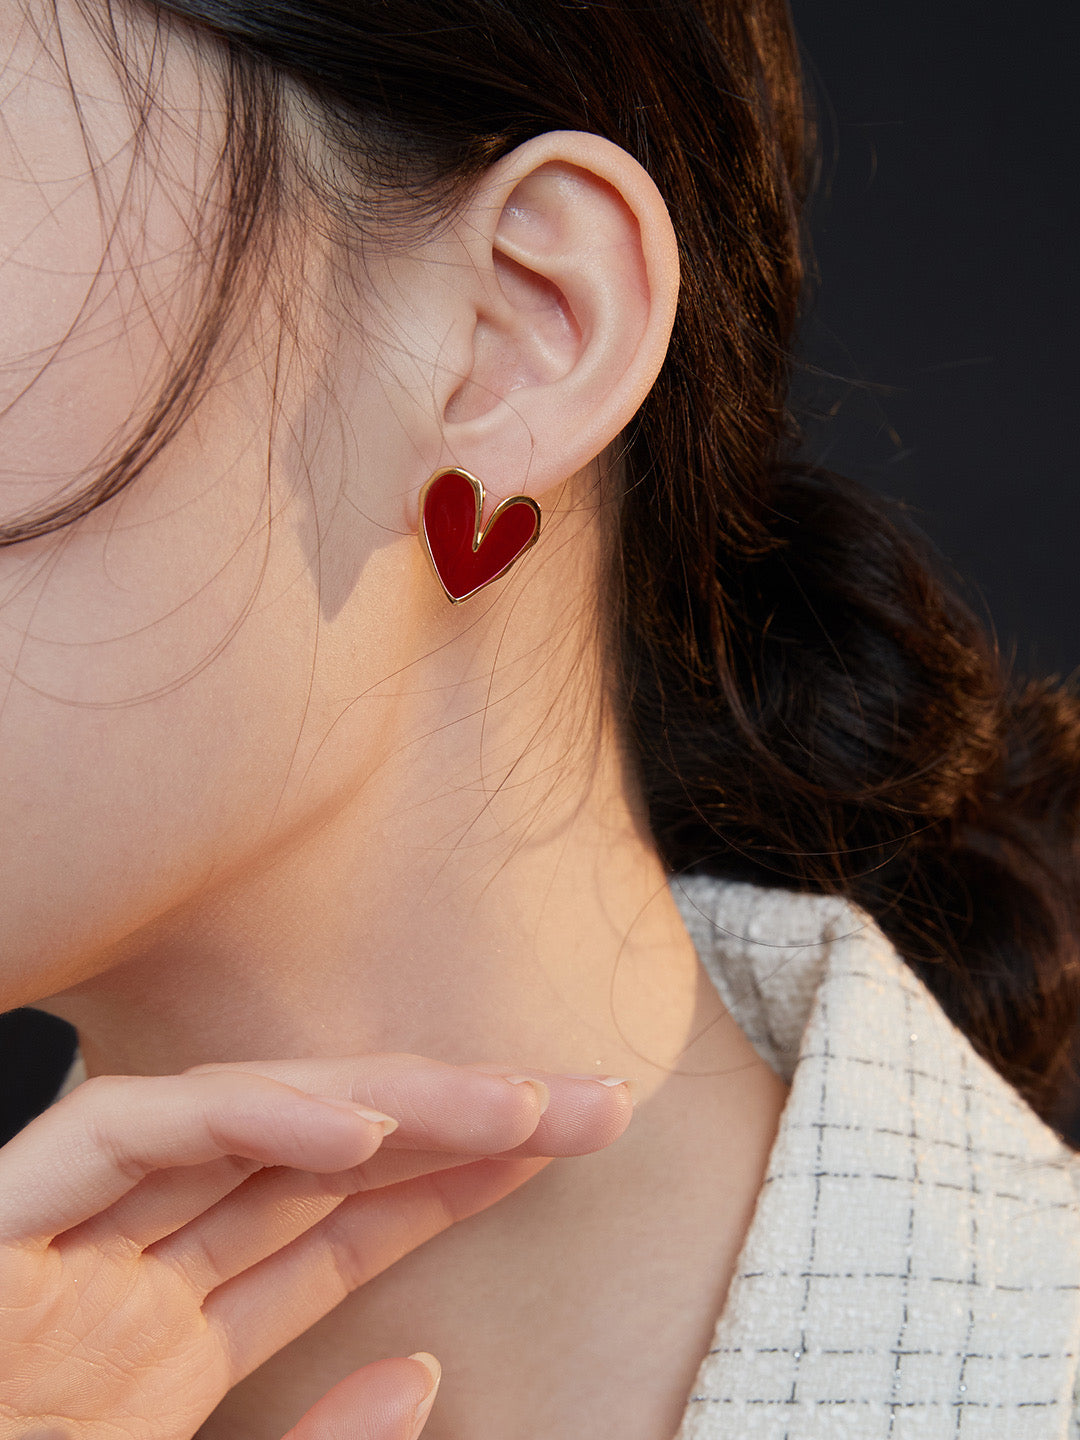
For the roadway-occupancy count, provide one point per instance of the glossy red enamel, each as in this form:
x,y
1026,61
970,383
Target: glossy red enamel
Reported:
x,y
463,559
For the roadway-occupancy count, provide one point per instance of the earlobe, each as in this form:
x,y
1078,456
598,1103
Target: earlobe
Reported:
x,y
578,260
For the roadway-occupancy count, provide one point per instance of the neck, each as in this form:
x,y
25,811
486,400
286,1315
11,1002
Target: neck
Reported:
x,y
486,890
566,954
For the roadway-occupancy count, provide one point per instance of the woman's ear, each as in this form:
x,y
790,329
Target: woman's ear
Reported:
x,y
555,321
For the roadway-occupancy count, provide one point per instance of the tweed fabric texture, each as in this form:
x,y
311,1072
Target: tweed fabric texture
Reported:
x,y
912,1269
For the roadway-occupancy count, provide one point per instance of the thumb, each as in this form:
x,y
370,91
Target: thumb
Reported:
x,y
388,1400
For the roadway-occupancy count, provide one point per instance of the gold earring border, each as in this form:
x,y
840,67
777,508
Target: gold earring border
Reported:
x,y
478,534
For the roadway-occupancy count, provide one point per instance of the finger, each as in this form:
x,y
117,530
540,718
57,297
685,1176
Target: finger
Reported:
x,y
166,1201
260,1218
584,1114
389,1400
259,1312
268,1212
440,1107
464,1110
587,1116
96,1144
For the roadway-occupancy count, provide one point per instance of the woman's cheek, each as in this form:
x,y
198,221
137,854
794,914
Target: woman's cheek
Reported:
x,y
152,689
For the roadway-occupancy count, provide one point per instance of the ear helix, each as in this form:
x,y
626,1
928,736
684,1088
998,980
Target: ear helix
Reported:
x,y
464,557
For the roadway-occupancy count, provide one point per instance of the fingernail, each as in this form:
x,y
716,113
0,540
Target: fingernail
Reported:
x,y
611,1081
423,1410
543,1094
387,1123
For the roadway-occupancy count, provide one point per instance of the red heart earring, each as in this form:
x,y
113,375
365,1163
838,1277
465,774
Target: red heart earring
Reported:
x,y
464,557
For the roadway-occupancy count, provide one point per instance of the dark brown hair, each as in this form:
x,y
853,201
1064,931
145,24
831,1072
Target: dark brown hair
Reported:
x,y
810,704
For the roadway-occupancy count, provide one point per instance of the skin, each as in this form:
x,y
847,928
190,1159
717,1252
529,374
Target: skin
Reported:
x,y
273,796
161,1237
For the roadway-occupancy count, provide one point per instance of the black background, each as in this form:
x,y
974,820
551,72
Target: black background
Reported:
x,y
945,227
941,344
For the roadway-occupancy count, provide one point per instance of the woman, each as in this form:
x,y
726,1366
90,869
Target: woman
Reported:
x,y
315,746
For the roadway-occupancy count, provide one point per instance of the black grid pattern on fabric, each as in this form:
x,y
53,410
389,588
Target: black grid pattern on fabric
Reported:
x,y
968,1175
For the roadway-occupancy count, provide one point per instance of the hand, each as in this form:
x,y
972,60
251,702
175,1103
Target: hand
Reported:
x,y
161,1237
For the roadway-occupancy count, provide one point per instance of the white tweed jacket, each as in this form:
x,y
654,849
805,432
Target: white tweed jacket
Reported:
x,y
912,1268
